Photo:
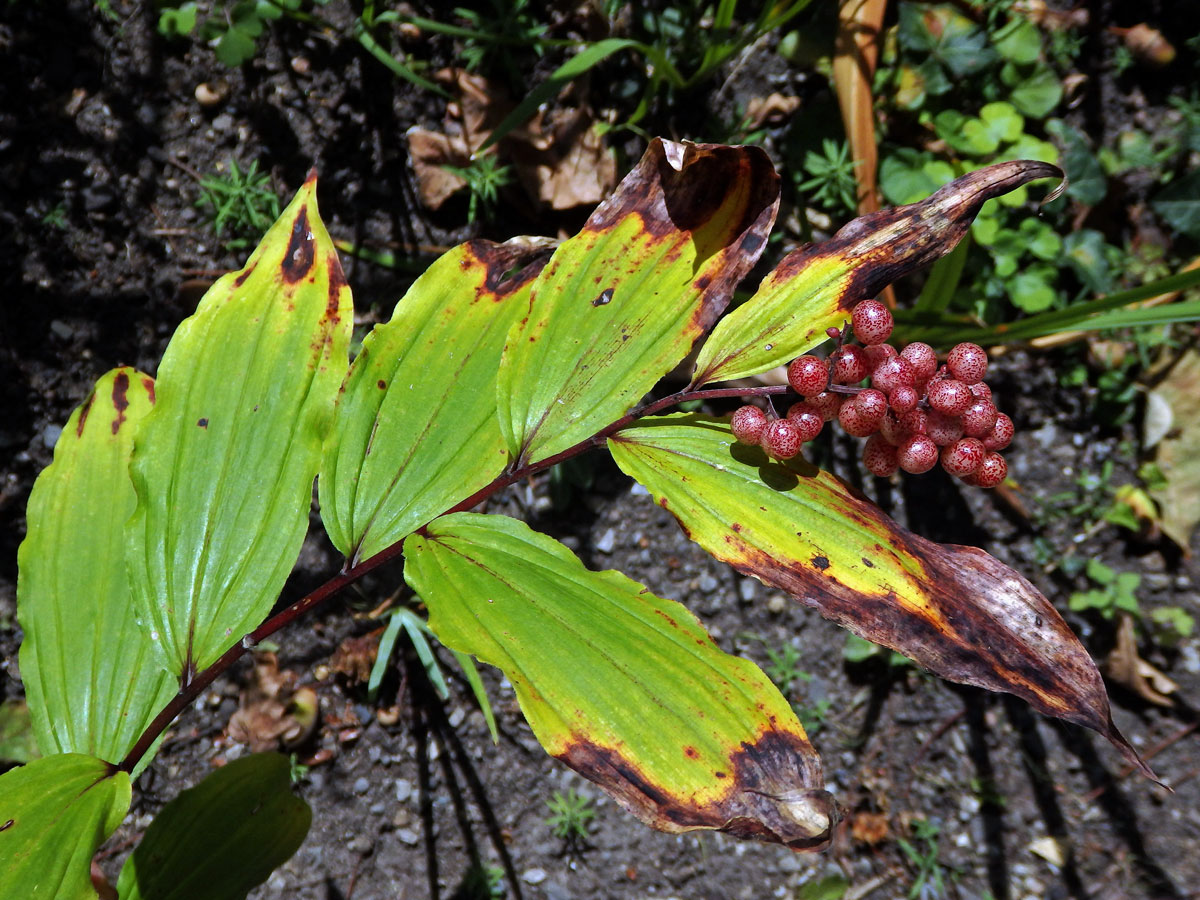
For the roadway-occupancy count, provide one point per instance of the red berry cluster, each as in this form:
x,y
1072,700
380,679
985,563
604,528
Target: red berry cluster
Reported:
x,y
914,412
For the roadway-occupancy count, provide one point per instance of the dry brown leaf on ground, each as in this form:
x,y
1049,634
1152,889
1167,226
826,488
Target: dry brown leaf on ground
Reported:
x,y
1129,670
355,656
561,162
1179,451
272,711
773,109
564,165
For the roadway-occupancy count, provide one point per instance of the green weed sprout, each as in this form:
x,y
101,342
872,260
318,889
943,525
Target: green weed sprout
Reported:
x,y
570,815
241,203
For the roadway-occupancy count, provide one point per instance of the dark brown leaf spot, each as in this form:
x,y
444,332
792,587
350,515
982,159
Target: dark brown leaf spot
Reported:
x,y
509,266
776,794
203,423
244,274
148,384
381,384
298,258
691,752
83,414
820,562
604,299
120,399
7,825
337,283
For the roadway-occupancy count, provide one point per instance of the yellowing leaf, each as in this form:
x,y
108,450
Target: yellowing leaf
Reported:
x,y
955,610
816,286
623,301
623,686
416,427
224,464
54,813
91,674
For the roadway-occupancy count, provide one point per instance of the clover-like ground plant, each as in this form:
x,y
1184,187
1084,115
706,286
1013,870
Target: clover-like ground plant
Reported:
x,y
175,507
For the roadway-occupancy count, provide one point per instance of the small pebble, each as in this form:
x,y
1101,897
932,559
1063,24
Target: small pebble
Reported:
x,y
403,789
607,541
408,836
777,603
533,876
361,785
708,583
361,844
50,435
747,589
62,329
638,490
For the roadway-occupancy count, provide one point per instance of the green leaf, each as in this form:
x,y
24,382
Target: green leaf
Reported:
x,y
1019,41
1088,183
623,686
1084,251
235,46
17,744
91,674
623,301
816,286
1030,290
54,813
1179,204
955,610
224,464
1038,93
220,839
416,427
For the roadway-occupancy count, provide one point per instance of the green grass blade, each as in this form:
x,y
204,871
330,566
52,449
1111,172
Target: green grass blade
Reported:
x,y
383,655
415,629
467,662
577,65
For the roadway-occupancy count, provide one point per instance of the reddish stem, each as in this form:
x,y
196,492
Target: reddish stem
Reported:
x,y
190,691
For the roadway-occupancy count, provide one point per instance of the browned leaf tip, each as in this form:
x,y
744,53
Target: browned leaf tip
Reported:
x,y
720,198
511,265
775,792
976,621
891,243
300,255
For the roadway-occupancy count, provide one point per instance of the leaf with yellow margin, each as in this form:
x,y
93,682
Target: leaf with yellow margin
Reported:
x,y
955,610
624,687
815,287
224,463
623,301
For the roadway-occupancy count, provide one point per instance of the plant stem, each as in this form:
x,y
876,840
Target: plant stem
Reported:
x,y
357,569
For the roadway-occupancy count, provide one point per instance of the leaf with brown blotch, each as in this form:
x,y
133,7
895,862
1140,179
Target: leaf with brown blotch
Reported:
x,y
816,286
623,686
623,301
955,610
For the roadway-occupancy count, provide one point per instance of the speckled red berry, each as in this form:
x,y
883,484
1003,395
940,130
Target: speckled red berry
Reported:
x,y
967,362
979,419
963,457
943,429
748,423
862,413
782,439
808,375
850,365
922,358
827,403
872,322
879,457
991,472
808,419
917,454
878,354
1001,434
903,399
892,373
949,396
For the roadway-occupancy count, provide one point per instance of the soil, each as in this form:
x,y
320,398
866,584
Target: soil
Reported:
x,y
104,253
